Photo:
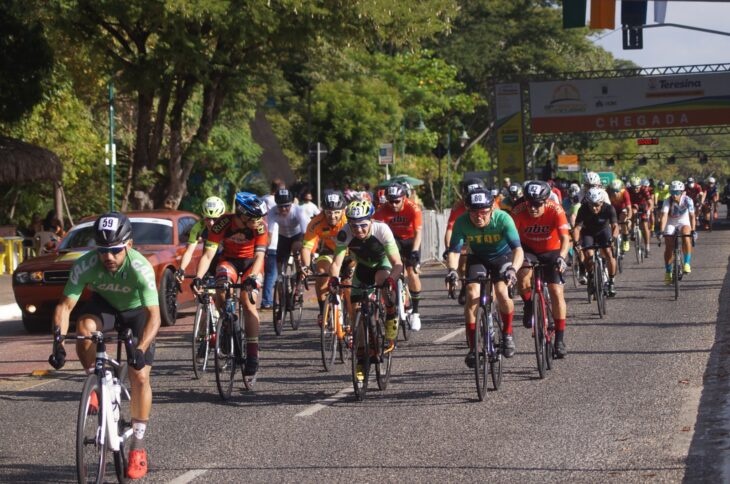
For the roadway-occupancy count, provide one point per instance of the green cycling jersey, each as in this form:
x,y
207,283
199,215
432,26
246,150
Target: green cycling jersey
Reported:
x,y
198,231
130,287
497,238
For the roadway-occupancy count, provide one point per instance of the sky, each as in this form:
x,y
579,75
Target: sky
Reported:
x,y
671,46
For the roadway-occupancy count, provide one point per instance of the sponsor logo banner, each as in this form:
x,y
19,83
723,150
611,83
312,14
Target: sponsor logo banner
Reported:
x,y
510,148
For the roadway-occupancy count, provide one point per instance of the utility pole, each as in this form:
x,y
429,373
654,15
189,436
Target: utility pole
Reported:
x,y
111,148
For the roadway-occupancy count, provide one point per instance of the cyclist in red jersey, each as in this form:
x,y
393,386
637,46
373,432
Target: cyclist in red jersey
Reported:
x,y
642,204
406,222
245,239
459,208
545,238
695,191
621,201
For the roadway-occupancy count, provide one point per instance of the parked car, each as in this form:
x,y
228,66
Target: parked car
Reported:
x,y
160,235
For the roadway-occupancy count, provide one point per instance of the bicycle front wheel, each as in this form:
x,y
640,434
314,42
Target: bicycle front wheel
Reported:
x,y
619,253
384,360
202,349
494,348
278,306
639,245
225,365
538,332
676,274
328,336
599,287
90,451
480,352
360,357
404,296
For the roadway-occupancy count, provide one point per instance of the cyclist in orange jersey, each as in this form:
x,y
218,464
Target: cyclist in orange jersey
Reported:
x,y
405,221
545,237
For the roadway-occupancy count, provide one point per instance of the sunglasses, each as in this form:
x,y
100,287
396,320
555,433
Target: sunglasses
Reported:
x,y
395,201
109,250
536,204
676,192
360,226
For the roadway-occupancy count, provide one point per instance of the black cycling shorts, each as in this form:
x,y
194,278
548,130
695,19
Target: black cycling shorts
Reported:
x,y
284,246
550,273
476,265
601,237
135,319
405,247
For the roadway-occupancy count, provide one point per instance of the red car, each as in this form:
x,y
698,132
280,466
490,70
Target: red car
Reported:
x,y
160,235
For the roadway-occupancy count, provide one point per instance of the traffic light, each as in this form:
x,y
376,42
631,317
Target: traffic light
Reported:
x,y
671,160
610,162
703,158
642,161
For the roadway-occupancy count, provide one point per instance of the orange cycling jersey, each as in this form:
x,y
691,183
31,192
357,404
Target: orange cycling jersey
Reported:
x,y
540,234
238,242
320,229
403,224
458,209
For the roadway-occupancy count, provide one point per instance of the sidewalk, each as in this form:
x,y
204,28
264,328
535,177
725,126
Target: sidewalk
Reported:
x,y
8,309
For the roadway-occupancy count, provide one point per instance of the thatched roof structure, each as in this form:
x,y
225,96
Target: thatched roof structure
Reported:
x,y
22,162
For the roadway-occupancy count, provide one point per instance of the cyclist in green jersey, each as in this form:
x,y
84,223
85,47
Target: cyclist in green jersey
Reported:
x,y
372,245
124,293
494,249
213,207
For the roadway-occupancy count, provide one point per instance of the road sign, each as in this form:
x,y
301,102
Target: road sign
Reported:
x,y
385,154
568,163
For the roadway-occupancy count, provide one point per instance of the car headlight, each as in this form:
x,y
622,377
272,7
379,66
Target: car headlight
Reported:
x,y
22,277
36,276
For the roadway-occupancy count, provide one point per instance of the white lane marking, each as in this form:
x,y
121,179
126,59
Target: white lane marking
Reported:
x,y
325,403
449,336
9,312
188,476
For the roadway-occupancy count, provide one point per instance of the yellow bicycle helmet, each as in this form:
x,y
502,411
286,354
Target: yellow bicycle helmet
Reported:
x,y
359,209
213,207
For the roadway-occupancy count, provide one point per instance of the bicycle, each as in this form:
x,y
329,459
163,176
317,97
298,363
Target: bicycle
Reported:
x,y
288,296
618,247
106,429
597,285
404,310
677,265
335,336
368,340
230,350
488,335
638,237
574,266
204,328
543,323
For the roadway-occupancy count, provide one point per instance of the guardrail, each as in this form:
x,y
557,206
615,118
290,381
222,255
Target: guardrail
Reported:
x,y
434,228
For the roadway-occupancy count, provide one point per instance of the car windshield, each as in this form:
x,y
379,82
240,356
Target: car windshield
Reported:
x,y
144,232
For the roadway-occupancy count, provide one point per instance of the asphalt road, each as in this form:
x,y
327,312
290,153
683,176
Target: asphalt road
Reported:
x,y
641,397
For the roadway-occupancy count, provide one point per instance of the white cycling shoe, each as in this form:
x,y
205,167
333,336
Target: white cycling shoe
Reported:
x,y
415,322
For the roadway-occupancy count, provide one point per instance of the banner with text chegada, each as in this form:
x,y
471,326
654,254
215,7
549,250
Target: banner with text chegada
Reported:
x,y
630,103
508,115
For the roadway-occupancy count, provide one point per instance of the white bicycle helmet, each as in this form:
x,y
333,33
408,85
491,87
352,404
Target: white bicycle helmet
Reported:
x,y
595,196
573,190
593,179
645,182
213,207
676,186
711,180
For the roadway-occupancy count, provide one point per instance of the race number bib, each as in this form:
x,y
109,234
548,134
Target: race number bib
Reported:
x,y
393,191
478,198
109,223
534,190
333,198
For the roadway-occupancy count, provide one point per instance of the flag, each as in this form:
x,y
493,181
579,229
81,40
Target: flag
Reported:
x,y
660,11
633,13
603,14
574,13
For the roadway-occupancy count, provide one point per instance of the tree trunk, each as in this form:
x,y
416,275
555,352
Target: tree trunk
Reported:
x,y
176,187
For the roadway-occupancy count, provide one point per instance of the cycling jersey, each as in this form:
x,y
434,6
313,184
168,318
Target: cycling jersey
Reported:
x,y
132,286
621,200
694,192
456,211
662,194
292,223
372,251
678,212
497,238
641,198
198,231
592,222
319,230
541,234
403,223
238,242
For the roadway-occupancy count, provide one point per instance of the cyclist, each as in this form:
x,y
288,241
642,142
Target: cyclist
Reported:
x,y
712,197
494,248
321,232
596,224
661,193
678,214
244,238
545,238
593,180
291,221
124,293
514,198
695,192
213,207
621,201
642,206
406,222
372,245
459,208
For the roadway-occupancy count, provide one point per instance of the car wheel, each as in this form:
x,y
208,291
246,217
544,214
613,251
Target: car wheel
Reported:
x,y
35,324
168,298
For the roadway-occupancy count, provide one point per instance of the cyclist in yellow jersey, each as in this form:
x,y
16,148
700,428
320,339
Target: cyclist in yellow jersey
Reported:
x,y
213,207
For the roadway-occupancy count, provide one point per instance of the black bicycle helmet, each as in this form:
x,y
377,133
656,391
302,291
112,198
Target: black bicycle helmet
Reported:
x,y
395,191
537,191
250,205
334,200
470,184
479,198
283,197
112,229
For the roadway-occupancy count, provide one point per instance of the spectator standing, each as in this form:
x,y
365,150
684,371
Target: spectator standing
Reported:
x,y
270,261
309,208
